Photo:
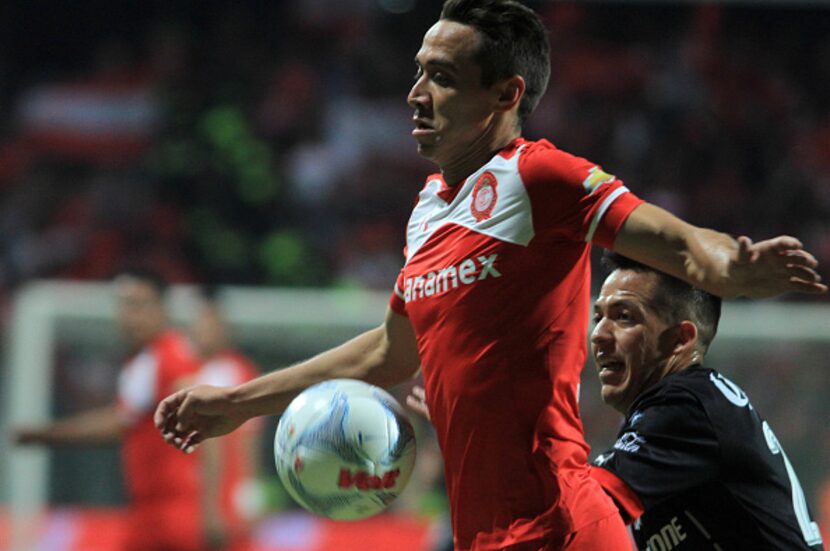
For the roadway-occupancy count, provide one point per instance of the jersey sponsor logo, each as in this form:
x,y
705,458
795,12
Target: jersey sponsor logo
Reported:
x,y
485,196
603,459
629,442
364,481
596,177
668,537
466,272
730,390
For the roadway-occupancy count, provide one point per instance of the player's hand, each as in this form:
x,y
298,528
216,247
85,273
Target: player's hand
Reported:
x,y
775,266
27,436
189,416
417,400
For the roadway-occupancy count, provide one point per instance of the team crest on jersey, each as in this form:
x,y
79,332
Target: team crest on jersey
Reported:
x,y
484,196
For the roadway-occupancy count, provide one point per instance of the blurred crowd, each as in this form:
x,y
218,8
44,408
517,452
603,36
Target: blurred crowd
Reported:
x,y
268,142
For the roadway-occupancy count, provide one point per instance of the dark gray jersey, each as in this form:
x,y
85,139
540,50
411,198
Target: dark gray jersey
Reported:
x,y
708,470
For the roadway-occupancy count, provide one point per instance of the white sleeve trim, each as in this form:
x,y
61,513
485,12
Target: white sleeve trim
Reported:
x,y
601,212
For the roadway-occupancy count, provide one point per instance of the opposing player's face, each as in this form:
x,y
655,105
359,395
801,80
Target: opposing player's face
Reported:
x,y
630,342
452,108
141,315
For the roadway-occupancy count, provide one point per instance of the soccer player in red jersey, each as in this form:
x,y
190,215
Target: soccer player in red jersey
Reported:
x,y
492,301
164,489
230,464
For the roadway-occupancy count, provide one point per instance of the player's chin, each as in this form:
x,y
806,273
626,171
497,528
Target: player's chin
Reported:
x,y
612,396
428,143
607,393
427,150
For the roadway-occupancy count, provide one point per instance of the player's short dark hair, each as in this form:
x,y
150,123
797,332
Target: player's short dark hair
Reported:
x,y
146,275
514,42
676,300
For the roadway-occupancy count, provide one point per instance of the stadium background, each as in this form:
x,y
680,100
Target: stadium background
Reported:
x,y
254,144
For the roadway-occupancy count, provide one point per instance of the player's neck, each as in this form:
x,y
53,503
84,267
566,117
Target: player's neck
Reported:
x,y
679,362
479,152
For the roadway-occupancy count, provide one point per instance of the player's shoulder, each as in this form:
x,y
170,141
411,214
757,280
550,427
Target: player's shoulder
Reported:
x,y
714,388
682,387
543,152
713,391
678,402
541,161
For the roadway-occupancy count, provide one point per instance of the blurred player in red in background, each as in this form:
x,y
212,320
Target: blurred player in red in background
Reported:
x,y
492,301
232,499
164,489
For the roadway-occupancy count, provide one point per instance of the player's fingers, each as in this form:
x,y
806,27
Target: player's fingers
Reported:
x,y
174,440
800,256
165,409
744,244
803,272
786,242
192,441
414,402
419,393
418,405
809,287
168,423
744,249
186,412
170,437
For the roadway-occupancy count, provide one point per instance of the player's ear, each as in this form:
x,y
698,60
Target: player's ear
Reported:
x,y
686,339
510,92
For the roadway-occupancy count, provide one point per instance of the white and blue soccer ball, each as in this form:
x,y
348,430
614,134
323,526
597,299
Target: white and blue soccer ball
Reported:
x,y
344,449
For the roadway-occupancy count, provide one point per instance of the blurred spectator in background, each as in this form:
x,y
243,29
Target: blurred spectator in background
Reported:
x,y
233,497
164,488
241,140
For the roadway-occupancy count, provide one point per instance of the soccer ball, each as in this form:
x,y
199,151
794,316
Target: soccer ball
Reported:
x,y
344,449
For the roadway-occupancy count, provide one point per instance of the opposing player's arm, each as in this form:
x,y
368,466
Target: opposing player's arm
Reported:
x,y
384,356
715,261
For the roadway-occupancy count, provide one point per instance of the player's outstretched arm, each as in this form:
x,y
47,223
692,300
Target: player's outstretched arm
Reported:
x,y
101,425
384,356
715,261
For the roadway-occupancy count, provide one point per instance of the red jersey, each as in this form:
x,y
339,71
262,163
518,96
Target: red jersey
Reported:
x,y
496,285
230,369
152,468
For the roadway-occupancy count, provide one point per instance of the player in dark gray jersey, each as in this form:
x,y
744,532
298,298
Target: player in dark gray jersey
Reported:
x,y
695,466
